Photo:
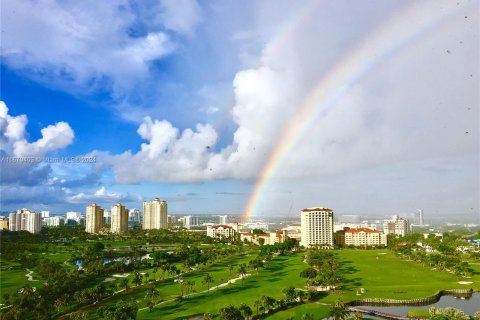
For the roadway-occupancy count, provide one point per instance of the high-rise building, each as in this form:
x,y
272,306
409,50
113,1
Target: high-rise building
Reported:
x,y
45,214
73,218
25,219
190,221
418,217
396,225
119,222
316,227
107,217
155,214
3,223
134,217
223,219
93,218
53,221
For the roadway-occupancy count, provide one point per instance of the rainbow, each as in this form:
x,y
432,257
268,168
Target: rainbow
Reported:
x,y
381,43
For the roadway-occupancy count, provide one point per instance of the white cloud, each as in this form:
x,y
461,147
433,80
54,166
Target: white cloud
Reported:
x,y
14,142
101,195
86,45
396,106
180,16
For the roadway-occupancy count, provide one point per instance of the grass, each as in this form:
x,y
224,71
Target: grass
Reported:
x,y
169,289
384,275
12,277
282,272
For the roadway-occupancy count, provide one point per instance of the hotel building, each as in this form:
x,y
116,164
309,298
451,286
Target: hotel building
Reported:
x,y
155,214
93,218
119,216
316,227
361,237
220,231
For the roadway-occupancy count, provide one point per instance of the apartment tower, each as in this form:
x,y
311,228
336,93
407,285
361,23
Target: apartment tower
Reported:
x,y
93,218
26,220
119,216
155,214
316,227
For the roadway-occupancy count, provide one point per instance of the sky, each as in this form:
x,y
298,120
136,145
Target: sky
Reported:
x,y
248,107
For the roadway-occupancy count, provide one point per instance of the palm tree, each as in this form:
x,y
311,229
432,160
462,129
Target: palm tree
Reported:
x,y
356,316
137,278
339,311
242,271
208,280
245,310
152,293
207,316
230,269
307,316
150,305
124,283
257,304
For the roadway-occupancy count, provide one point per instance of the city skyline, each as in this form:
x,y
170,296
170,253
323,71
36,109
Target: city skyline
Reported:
x,y
243,108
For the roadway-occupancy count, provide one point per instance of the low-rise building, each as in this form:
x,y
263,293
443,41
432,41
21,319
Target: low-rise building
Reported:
x,y
361,237
264,238
220,231
3,223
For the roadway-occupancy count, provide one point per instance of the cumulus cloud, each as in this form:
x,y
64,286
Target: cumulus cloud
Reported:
x,y
90,44
389,108
101,195
14,145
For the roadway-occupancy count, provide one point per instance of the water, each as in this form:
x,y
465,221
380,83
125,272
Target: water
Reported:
x,y
468,305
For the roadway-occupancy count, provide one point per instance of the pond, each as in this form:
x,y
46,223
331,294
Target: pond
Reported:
x,y
469,304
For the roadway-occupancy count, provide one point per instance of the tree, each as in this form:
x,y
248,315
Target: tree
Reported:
x,y
122,310
207,316
257,304
230,269
447,314
208,280
338,311
150,305
124,283
137,278
289,293
242,271
356,316
230,313
245,310
152,293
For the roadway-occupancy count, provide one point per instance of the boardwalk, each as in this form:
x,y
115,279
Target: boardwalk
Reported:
x,y
378,313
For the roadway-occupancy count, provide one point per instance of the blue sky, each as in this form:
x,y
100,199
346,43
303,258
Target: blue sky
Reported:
x,y
188,100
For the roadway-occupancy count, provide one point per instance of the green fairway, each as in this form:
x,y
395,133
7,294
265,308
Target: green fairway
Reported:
x,y
383,275
12,277
169,289
379,272
283,271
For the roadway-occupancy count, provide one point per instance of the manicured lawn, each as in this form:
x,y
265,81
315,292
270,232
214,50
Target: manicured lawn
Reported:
x,y
13,278
384,275
282,272
169,289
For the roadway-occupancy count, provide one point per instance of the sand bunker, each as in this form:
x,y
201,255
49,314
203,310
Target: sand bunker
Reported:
x,y
465,282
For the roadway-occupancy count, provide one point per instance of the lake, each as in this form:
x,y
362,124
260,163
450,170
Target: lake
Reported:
x,y
469,305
